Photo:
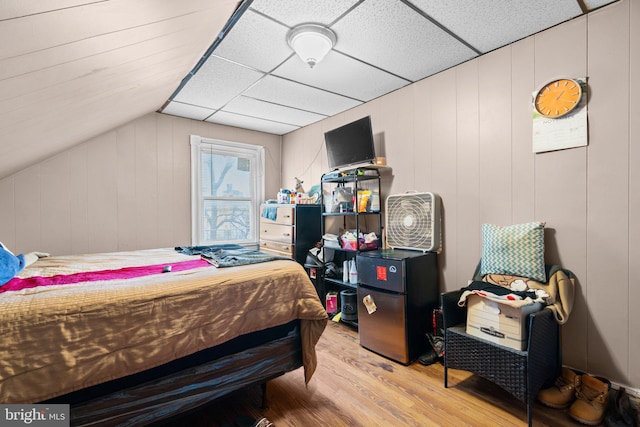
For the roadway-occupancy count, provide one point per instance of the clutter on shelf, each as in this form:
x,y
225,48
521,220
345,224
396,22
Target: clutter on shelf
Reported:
x,y
286,196
343,200
349,240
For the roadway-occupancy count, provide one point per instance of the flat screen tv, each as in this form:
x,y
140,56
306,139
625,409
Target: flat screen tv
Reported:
x,y
350,144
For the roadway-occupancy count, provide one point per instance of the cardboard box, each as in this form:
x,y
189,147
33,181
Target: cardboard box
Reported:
x,y
498,322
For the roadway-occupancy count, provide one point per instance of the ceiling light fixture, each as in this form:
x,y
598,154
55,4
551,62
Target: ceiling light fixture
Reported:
x,y
311,42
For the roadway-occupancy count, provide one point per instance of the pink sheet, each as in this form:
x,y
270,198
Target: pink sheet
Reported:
x,y
18,283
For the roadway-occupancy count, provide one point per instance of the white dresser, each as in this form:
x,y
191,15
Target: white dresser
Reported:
x,y
289,230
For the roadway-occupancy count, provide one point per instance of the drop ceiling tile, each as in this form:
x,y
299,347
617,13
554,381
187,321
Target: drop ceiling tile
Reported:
x,y
284,92
269,111
344,75
217,82
594,4
255,41
488,24
188,111
294,12
246,122
391,35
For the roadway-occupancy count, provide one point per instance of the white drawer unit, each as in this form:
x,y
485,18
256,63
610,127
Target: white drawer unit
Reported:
x,y
289,230
285,214
277,232
279,248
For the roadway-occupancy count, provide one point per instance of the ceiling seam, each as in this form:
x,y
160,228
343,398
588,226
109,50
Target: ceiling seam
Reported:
x,y
241,93
227,27
54,10
374,66
345,13
439,25
270,18
320,89
269,73
284,105
261,118
217,109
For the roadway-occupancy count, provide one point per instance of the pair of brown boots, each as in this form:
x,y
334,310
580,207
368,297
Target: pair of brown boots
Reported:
x,y
587,395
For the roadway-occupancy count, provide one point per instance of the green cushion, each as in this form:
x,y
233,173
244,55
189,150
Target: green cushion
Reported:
x,y
516,250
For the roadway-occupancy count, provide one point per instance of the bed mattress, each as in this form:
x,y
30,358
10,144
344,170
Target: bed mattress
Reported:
x,y
58,339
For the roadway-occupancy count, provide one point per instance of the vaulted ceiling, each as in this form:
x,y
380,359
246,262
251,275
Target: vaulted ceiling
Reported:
x,y
73,69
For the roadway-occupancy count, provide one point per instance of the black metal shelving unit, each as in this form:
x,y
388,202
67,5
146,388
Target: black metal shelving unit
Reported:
x,y
337,218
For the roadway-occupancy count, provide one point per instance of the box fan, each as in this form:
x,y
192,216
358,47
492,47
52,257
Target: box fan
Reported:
x,y
413,221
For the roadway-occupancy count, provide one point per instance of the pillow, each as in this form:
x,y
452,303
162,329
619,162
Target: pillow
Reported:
x,y
517,250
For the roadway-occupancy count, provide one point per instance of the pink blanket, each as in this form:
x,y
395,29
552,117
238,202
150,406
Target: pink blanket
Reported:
x,y
17,283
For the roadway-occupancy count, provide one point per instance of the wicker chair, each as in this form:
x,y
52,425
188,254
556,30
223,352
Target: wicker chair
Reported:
x,y
521,373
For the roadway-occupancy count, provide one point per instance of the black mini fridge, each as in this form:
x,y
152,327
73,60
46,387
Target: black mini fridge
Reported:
x,y
397,292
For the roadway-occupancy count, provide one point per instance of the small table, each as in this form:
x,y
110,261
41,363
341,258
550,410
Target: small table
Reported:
x,y
521,373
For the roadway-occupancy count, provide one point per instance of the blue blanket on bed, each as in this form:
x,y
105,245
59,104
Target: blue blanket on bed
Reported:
x,y
228,255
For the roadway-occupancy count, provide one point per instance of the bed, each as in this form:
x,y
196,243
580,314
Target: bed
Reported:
x,y
129,342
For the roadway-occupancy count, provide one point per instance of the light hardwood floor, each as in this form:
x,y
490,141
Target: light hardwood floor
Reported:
x,y
356,387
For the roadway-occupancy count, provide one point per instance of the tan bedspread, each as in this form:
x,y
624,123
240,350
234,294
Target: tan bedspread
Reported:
x,y
58,339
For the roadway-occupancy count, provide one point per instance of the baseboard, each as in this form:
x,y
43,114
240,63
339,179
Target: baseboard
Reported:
x,y
633,393
629,390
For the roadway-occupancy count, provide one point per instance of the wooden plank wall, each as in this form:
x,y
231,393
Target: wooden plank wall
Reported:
x,y
106,63
608,192
465,134
126,189
634,192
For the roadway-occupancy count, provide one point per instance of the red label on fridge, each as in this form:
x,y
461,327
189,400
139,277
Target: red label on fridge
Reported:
x,y
381,272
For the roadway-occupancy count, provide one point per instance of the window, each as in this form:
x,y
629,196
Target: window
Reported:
x,y
227,185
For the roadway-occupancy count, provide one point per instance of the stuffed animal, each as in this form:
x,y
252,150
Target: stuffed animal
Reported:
x,y
10,265
298,188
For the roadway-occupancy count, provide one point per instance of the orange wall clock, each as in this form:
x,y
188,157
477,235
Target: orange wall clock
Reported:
x,y
557,98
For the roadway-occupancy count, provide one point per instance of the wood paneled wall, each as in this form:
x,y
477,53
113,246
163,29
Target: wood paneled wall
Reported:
x,y
127,189
466,134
